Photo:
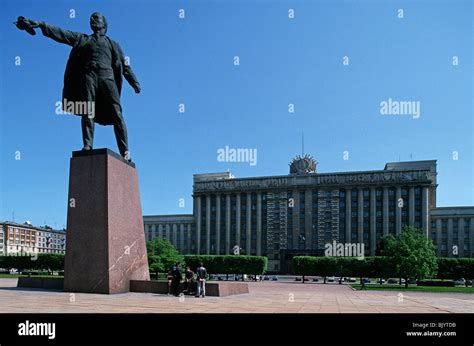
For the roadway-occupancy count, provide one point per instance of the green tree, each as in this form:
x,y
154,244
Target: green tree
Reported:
x,y
162,255
327,266
49,261
455,268
447,268
322,266
155,265
411,254
466,269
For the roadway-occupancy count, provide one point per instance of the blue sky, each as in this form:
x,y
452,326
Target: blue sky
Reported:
x,y
282,61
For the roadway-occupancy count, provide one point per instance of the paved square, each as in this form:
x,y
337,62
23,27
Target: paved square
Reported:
x,y
264,297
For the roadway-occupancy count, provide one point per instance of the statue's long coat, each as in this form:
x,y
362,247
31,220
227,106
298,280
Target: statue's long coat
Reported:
x,y
74,77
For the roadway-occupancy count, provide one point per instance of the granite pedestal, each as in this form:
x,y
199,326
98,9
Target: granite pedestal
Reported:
x,y
105,246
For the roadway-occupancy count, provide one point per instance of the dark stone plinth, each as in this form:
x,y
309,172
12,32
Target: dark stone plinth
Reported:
x,y
216,289
105,246
45,283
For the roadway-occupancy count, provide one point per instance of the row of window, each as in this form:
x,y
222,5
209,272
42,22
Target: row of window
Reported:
x,y
379,192
315,204
444,247
444,223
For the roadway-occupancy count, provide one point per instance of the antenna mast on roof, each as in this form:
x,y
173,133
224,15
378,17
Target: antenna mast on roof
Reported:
x,y
302,144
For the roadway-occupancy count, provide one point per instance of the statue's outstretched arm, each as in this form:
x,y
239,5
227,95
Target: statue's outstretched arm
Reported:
x,y
56,33
60,35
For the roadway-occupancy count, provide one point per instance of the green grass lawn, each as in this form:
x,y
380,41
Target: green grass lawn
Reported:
x,y
14,276
415,288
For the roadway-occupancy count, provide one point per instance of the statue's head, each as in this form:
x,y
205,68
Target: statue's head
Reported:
x,y
98,22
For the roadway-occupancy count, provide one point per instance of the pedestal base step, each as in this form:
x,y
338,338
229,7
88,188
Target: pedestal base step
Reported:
x,y
216,289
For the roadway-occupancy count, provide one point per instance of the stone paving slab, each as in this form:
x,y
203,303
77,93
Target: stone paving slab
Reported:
x,y
263,297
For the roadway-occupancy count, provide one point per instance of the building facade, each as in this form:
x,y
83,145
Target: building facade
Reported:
x,y
19,238
26,238
2,241
176,228
50,240
300,213
452,231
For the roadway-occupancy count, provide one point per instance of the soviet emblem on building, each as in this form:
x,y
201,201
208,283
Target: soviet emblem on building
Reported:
x,y
303,165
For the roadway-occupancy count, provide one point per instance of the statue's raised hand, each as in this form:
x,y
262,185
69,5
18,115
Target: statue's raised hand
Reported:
x,y
26,24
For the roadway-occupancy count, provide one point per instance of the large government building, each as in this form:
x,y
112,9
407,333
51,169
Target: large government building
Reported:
x,y
299,213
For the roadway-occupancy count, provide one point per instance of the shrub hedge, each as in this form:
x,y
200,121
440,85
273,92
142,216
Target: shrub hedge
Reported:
x,y
43,261
228,264
376,267
437,283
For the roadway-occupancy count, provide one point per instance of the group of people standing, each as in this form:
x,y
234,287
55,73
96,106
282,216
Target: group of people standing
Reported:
x,y
192,285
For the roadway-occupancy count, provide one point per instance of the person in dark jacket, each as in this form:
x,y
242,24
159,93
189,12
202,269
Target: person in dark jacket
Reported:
x,y
189,279
176,273
93,77
201,281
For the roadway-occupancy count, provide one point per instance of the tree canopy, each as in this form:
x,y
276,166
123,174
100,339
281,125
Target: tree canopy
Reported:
x,y
411,253
162,255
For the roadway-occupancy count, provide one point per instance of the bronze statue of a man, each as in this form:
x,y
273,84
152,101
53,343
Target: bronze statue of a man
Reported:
x,y
93,77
